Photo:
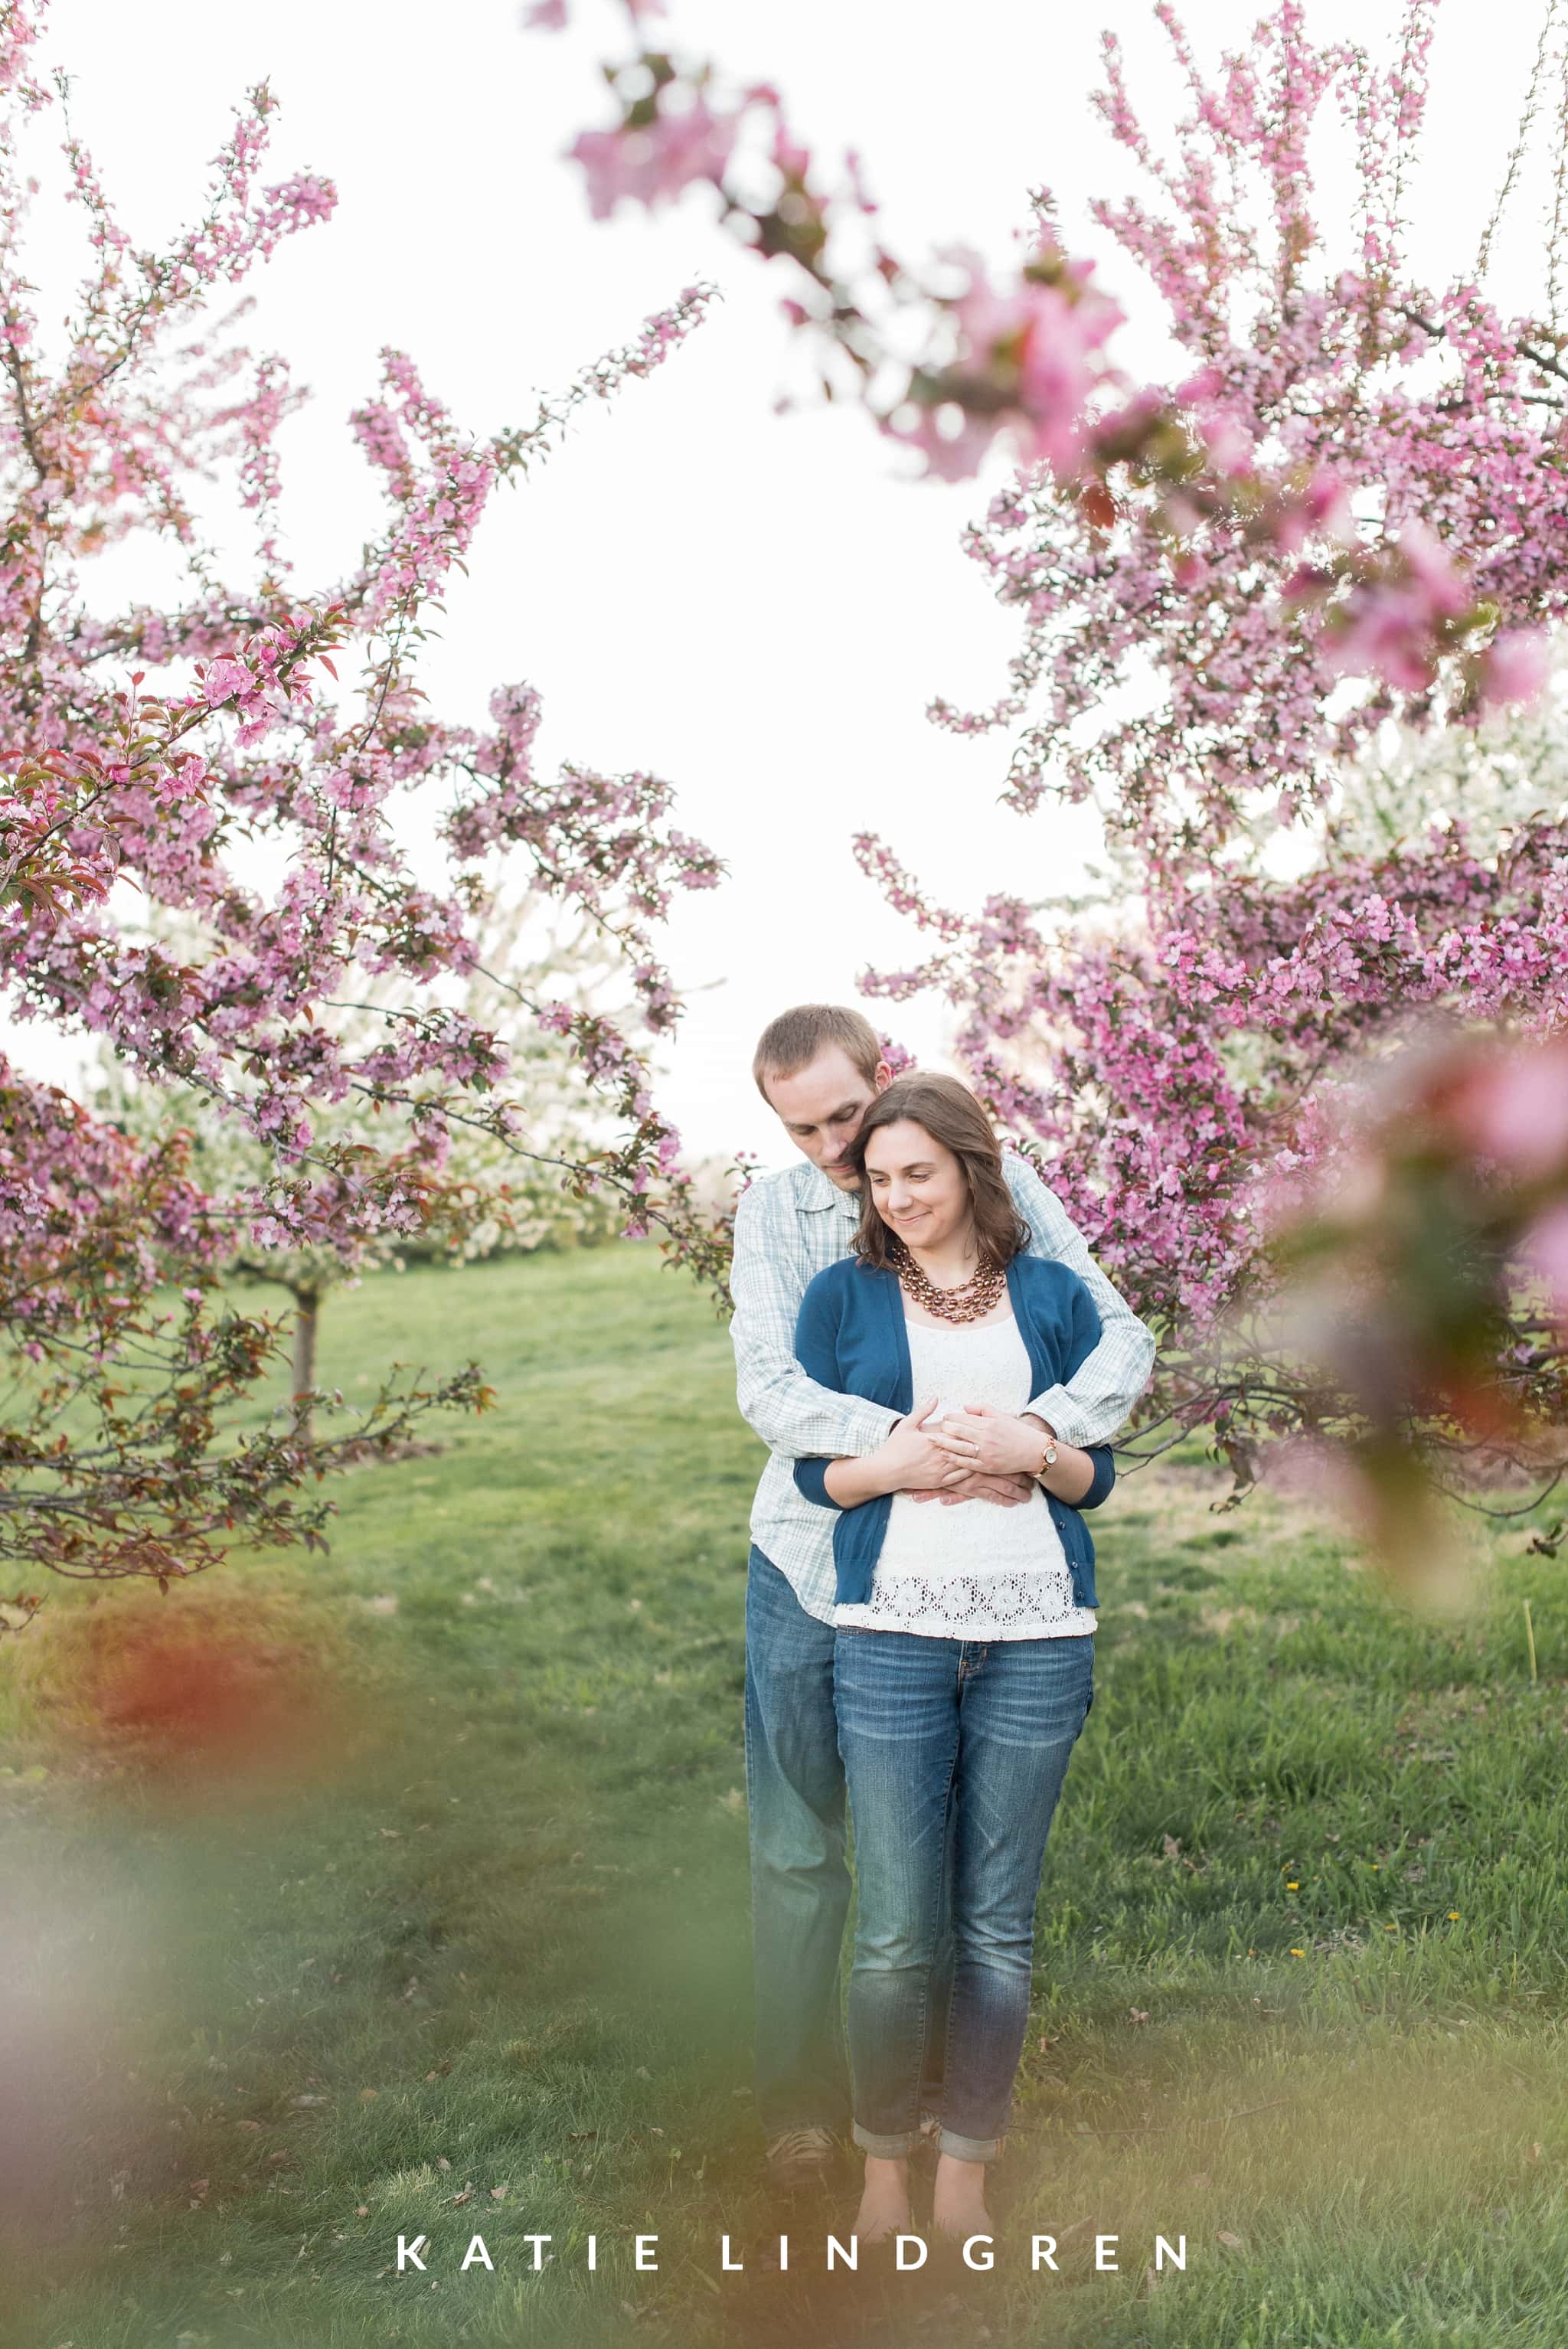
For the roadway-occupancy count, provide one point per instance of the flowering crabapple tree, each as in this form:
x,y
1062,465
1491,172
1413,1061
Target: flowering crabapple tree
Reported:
x,y
226,758
952,365
484,1199
1338,529
1206,1058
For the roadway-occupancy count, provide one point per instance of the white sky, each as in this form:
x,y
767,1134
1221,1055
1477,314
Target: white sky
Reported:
x,y
756,608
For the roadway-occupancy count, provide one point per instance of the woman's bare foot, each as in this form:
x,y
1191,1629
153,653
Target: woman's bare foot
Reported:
x,y
884,2205
958,2199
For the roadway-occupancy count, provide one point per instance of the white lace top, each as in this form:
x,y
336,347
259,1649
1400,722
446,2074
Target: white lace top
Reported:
x,y
981,1571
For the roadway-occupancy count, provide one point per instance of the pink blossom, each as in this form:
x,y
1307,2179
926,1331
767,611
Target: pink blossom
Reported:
x,y
1432,571
1516,666
1035,344
1514,1108
1391,623
223,679
1056,370
650,165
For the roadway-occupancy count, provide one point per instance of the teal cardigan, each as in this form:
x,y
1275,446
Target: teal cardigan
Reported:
x,y
852,1336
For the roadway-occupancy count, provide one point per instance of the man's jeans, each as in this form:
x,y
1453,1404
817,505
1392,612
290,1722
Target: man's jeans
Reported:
x,y
799,1876
927,1726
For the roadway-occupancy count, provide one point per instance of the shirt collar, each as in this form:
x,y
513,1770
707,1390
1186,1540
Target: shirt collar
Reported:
x,y
819,1192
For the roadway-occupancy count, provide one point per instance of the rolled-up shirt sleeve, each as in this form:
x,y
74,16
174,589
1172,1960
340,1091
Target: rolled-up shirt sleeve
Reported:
x,y
779,1401
1088,1408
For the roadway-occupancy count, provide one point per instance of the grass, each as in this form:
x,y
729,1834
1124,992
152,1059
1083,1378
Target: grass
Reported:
x,y
405,1892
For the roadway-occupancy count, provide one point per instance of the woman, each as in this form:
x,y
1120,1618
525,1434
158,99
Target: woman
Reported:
x,y
964,1652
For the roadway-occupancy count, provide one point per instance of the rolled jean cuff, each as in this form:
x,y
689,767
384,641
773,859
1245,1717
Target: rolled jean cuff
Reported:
x,y
969,2148
887,2147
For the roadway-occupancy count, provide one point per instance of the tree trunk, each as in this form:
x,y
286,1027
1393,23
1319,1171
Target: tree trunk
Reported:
x,y
307,1320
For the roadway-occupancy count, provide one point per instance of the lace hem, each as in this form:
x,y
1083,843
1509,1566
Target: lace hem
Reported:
x,y
971,1606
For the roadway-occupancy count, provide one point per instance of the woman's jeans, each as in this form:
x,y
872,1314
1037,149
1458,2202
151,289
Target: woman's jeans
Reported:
x,y
928,1727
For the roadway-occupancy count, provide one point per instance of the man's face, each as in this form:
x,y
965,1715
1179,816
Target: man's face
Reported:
x,y
820,1108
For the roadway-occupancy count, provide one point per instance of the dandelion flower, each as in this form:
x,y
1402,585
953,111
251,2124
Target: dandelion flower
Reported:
x,y
1292,1888
1453,1916
1298,1954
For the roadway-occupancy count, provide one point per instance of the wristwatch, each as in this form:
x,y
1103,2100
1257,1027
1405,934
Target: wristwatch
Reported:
x,y
1050,1459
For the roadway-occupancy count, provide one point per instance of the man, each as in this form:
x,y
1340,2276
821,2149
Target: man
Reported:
x,y
820,1066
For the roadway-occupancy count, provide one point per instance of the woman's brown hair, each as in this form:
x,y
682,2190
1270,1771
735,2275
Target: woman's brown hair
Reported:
x,y
950,1113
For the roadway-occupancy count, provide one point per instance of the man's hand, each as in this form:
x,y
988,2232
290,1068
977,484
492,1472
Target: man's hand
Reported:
x,y
1006,1491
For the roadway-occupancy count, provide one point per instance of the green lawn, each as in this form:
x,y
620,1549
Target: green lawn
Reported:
x,y
450,1935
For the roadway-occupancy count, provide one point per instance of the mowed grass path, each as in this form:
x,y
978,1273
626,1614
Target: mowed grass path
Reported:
x,y
454,1938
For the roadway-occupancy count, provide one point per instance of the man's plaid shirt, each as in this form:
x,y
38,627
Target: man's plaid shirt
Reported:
x,y
792,1225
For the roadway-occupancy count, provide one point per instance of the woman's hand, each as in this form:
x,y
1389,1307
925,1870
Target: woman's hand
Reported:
x,y
913,1459
994,1441
907,1461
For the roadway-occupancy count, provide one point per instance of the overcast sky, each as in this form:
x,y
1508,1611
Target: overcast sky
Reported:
x,y
756,607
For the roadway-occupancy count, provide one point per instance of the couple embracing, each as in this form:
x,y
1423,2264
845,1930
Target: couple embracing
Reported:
x,y
936,1364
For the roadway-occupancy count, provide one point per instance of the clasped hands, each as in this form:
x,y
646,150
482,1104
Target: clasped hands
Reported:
x,y
979,1453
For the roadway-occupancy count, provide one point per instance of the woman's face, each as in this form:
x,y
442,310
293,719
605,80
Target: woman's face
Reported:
x,y
917,1185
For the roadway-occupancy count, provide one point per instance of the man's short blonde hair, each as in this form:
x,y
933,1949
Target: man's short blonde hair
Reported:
x,y
792,1041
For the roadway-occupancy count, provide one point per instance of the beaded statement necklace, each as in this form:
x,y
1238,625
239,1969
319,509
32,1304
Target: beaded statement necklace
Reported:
x,y
967,1302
